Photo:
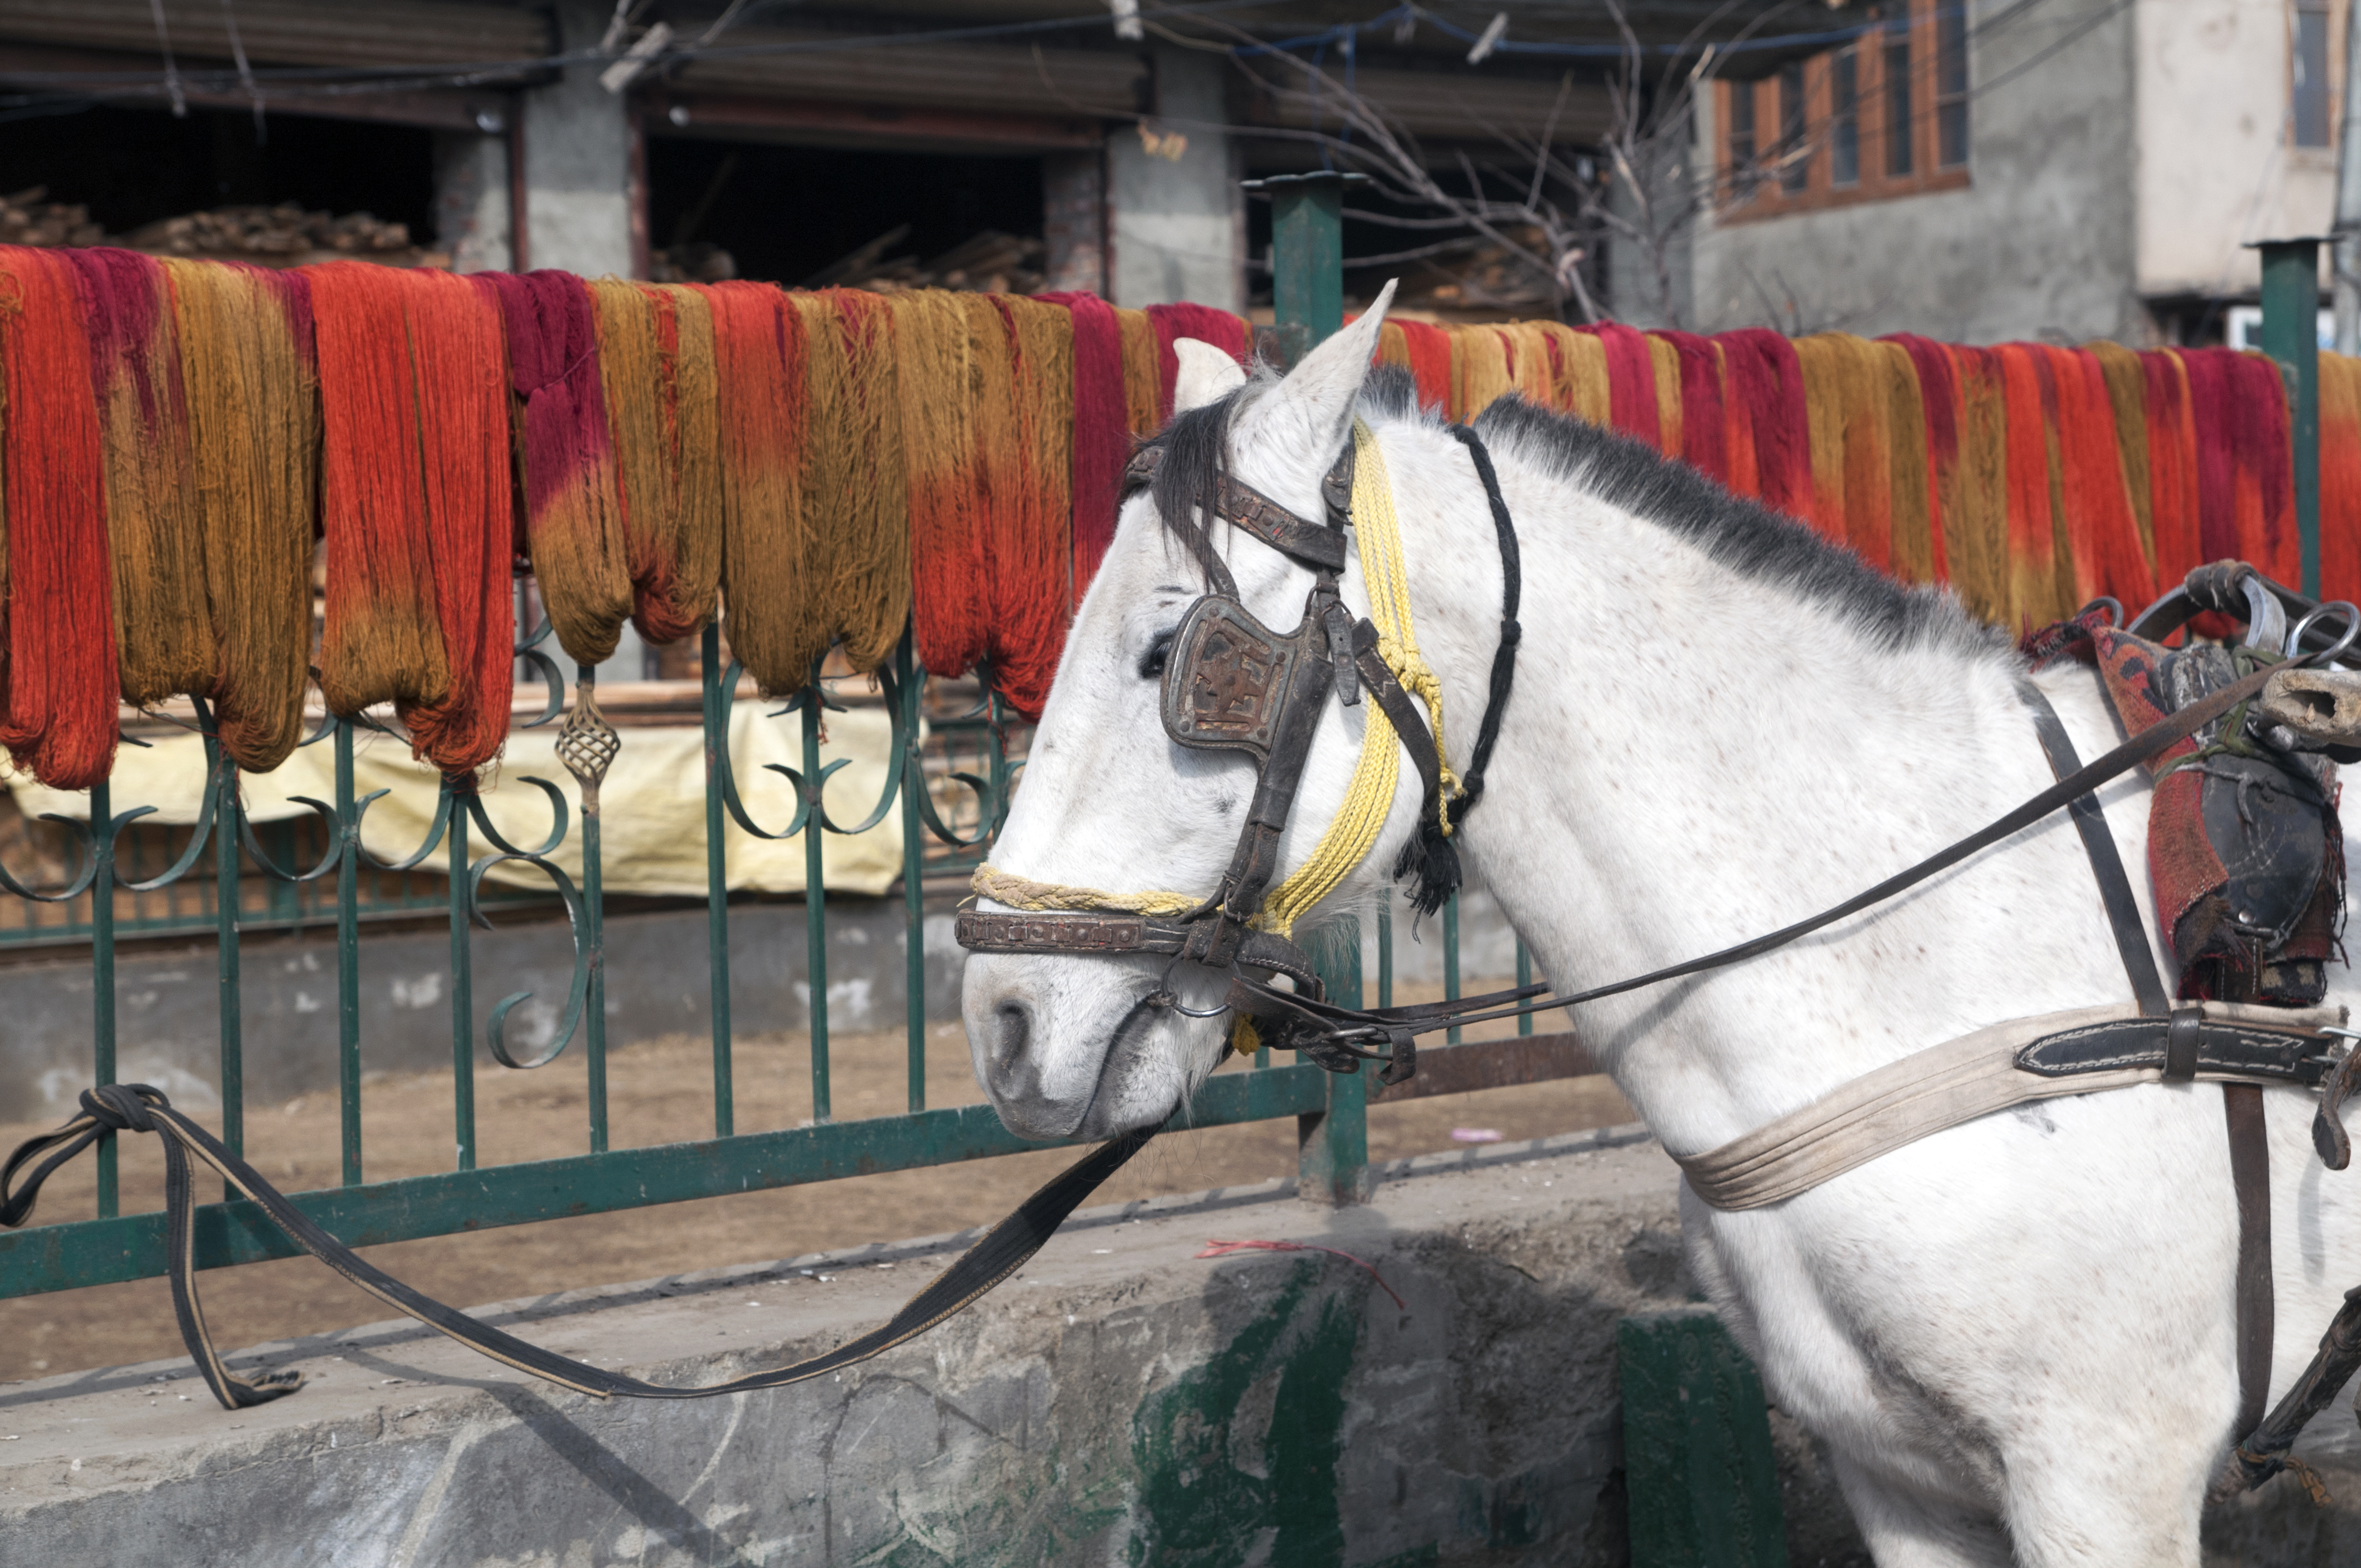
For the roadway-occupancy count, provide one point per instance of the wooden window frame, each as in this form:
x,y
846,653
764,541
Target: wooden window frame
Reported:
x,y
1751,196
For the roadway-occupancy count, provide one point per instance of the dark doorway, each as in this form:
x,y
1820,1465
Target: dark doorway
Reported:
x,y
785,213
131,167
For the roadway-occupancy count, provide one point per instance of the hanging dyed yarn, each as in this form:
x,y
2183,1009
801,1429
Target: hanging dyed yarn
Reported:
x,y
1143,396
1203,322
2109,557
937,379
574,507
251,379
856,508
416,505
657,375
1102,429
1030,549
163,627
2340,477
759,349
58,685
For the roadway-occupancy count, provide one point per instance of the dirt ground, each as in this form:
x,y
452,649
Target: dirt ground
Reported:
x,y
658,1091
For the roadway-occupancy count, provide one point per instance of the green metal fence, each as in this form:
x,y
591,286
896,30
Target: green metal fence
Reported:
x,y
237,878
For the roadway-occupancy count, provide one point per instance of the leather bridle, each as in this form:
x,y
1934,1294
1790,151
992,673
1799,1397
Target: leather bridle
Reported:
x,y
1230,684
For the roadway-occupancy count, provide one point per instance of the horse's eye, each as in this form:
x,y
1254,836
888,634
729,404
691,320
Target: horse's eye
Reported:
x,y
1151,663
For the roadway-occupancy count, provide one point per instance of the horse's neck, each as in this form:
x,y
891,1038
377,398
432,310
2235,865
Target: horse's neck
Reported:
x,y
1693,757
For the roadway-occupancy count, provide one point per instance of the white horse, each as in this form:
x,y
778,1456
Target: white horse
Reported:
x,y
2015,1337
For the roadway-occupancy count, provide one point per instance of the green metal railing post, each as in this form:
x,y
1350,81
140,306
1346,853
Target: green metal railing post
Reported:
x,y
1332,1145
1451,960
1524,977
914,891
2291,337
814,900
594,909
349,955
1307,255
463,984
102,978
226,913
1307,307
716,880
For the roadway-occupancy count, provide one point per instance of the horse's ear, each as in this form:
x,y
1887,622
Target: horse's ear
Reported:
x,y
1206,375
1308,416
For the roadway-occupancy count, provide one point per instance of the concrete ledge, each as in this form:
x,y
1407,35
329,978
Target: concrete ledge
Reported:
x,y
1122,1401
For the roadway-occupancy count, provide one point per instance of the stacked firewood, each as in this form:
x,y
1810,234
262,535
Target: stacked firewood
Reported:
x,y
283,235
989,262
29,217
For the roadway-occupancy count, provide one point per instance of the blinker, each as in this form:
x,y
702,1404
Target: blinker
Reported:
x,y
1229,679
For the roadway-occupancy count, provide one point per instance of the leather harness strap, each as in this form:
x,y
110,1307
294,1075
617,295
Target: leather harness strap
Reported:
x,y
2099,845
2250,1179
2242,1103
138,1108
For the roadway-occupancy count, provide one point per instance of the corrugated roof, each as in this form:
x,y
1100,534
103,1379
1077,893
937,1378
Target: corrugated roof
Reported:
x,y
996,77
360,34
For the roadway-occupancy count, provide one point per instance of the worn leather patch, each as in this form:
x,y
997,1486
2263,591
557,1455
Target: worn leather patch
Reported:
x,y
2223,1050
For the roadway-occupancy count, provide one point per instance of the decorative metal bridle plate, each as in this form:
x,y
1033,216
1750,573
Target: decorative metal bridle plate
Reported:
x,y
1227,680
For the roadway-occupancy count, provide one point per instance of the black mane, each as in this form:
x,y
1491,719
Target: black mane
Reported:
x,y
1744,535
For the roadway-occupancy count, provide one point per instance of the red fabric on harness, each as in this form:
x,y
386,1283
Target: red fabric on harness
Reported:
x,y
2185,865
1101,427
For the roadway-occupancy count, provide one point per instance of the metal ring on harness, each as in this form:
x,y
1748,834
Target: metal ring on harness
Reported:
x,y
2336,650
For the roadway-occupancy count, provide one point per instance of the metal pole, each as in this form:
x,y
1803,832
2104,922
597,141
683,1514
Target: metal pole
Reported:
x,y
1307,235
914,891
815,901
101,977
462,983
349,955
717,880
1307,306
226,913
2346,288
2291,337
594,904
1451,960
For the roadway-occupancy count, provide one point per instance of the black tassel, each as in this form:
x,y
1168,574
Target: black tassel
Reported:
x,y
1431,865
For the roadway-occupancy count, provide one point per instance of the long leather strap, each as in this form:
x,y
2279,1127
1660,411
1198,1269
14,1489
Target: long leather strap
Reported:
x,y
136,1107
2106,865
2250,1179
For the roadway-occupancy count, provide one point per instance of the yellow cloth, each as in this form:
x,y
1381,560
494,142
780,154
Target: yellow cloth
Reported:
x,y
651,806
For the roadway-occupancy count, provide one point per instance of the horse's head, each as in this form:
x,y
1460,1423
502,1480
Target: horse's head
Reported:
x,y
1094,1044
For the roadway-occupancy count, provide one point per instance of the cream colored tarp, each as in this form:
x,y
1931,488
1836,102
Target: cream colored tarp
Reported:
x,y
651,807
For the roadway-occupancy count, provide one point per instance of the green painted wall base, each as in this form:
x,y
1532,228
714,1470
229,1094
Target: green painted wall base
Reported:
x,y
1698,1463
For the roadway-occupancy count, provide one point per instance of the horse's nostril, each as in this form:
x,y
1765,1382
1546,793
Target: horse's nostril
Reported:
x,y
1016,1031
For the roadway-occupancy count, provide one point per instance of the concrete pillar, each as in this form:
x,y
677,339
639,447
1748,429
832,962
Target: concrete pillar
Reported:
x,y
1073,212
1176,218
578,158
471,200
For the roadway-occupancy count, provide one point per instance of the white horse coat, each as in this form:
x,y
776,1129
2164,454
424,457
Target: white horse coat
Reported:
x,y
2016,1336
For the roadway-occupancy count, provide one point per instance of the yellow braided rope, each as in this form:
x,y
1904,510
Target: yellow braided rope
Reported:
x,y
1370,798
1038,898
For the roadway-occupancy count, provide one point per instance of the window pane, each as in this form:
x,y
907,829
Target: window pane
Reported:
x,y
1741,139
1951,87
2310,77
1844,118
1792,172
1897,103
